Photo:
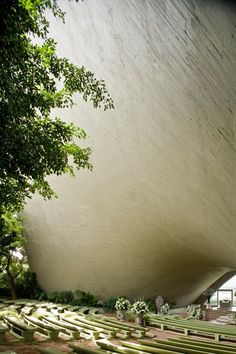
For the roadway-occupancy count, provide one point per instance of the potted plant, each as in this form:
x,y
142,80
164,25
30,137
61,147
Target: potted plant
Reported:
x,y
121,306
139,308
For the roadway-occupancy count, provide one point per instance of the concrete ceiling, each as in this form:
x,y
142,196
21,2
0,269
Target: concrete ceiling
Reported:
x,y
157,216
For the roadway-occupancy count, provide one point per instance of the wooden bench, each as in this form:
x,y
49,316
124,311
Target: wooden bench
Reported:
x,y
126,329
27,310
93,330
84,349
85,329
42,327
64,327
108,330
218,332
110,347
19,329
176,345
206,343
220,349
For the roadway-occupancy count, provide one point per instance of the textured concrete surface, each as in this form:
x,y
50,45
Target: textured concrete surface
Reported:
x,y
157,216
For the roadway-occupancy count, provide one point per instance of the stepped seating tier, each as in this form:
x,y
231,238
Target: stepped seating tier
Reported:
x,y
85,350
180,346
170,346
219,332
42,327
81,322
72,331
19,329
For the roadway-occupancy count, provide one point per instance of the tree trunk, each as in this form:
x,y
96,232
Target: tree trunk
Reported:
x,y
11,278
13,286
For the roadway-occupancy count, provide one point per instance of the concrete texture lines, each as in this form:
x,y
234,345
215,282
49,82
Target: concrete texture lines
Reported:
x,y
157,214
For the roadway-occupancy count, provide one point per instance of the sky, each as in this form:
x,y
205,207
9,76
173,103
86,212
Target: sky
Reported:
x,y
230,284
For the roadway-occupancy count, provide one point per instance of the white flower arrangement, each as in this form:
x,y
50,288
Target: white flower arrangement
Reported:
x,y
232,320
165,309
139,307
122,304
194,311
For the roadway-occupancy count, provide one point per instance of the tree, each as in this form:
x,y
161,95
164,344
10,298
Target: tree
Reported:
x,y
13,260
34,80
34,143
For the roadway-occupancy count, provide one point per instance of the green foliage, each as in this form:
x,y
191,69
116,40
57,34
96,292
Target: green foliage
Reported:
x,y
151,304
79,298
34,80
85,298
130,316
110,303
13,260
15,274
29,287
62,297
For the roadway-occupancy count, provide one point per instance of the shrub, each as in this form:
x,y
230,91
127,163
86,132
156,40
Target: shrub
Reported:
x,y
129,316
63,297
151,304
84,298
30,287
109,304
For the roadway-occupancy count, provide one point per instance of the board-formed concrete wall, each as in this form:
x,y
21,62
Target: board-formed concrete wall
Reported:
x,y
157,216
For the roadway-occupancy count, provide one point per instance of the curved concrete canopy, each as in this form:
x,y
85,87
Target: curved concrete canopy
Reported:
x,y
158,213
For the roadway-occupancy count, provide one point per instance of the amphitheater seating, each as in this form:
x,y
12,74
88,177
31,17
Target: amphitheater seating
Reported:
x,y
89,325
206,346
108,346
27,310
42,327
19,329
170,346
72,331
85,329
218,332
84,349
178,346
127,330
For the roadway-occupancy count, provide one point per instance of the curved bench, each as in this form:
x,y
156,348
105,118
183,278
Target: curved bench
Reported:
x,y
42,327
19,329
66,328
218,332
